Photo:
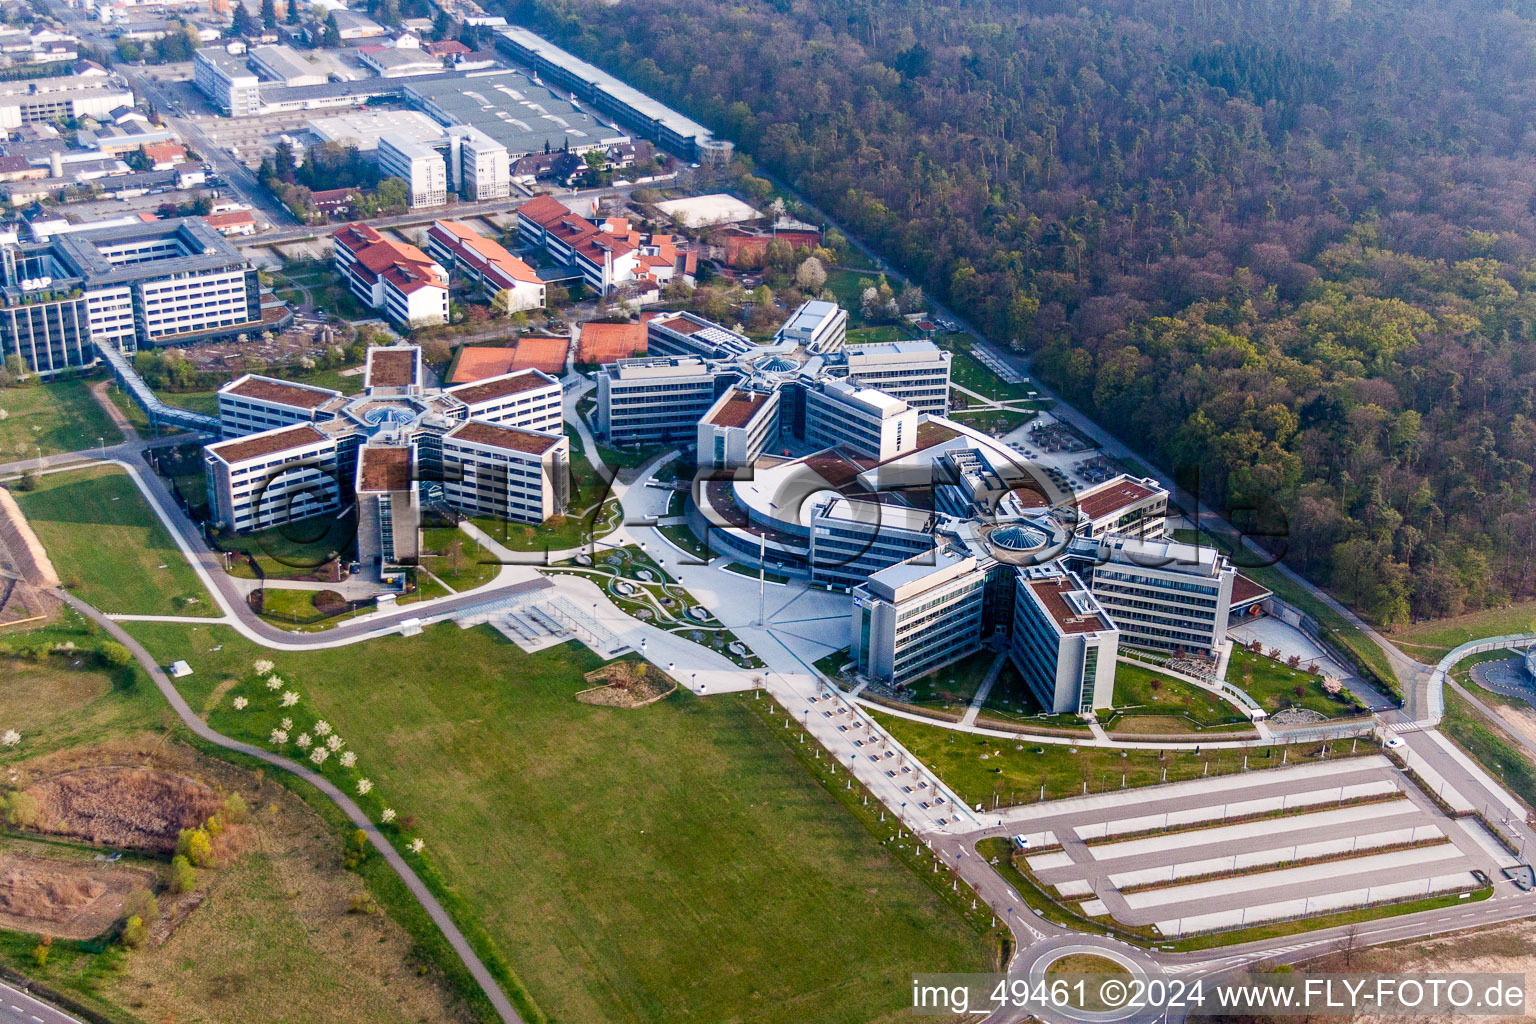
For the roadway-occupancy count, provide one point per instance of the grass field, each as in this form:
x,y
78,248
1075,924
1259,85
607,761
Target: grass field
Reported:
x,y
1490,746
293,550
456,558
1430,641
612,853
966,371
1142,691
1274,684
109,547
953,687
61,417
980,768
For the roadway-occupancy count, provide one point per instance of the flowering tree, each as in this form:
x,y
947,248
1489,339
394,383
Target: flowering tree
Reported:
x,y
274,682
348,759
278,737
289,698
262,666
417,846
287,723
10,738
334,742
318,755
240,703
364,787
388,814
304,741
322,728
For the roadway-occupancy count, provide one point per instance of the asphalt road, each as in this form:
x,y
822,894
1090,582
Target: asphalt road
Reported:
x,y
16,1007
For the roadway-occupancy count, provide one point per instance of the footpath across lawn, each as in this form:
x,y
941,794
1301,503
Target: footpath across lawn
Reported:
x,y
662,864
109,546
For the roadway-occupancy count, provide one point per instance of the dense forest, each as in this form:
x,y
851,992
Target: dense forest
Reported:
x,y
1290,243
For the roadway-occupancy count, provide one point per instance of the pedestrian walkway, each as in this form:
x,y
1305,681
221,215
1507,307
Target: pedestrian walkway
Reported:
x,y
996,669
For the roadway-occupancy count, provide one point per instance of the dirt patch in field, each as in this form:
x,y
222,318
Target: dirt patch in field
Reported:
x,y
133,808
1504,949
1518,720
65,899
627,685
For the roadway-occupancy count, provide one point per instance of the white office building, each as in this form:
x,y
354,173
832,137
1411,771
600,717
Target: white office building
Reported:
x,y
1165,594
917,372
419,165
131,286
508,472
529,399
917,616
252,403
1063,642
686,334
869,422
271,478
737,427
224,78
482,166
653,399
817,326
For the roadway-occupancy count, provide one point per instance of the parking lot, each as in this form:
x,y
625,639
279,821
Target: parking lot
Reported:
x,y
1265,846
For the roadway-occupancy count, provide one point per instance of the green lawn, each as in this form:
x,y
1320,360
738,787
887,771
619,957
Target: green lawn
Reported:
x,y
683,537
664,864
1273,684
1141,690
109,547
456,558
966,371
952,687
292,551
1430,641
878,335
1010,700
61,417
1490,746
981,767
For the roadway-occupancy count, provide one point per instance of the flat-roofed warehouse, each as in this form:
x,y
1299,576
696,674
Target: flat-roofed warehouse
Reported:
x,y
363,128
516,111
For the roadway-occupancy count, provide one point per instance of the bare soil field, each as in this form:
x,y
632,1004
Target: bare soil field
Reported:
x,y
64,898
278,930
1503,949
128,807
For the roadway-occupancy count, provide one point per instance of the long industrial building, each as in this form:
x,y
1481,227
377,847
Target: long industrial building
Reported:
x,y
672,130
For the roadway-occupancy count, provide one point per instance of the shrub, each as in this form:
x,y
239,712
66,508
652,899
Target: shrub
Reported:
x,y
22,810
183,875
134,932
141,903
192,843
235,811
115,654
40,951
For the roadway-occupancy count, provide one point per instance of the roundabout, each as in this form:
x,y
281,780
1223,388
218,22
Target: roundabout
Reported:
x,y
1088,979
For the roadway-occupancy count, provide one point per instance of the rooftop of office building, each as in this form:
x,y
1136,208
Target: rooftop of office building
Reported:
x,y
514,439
736,408
501,387
267,389
269,442
384,468
1069,604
